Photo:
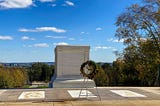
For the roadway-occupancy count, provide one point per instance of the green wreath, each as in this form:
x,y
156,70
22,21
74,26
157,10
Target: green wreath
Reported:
x,y
89,69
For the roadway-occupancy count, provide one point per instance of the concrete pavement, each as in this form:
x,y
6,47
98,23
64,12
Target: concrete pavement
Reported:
x,y
110,96
87,103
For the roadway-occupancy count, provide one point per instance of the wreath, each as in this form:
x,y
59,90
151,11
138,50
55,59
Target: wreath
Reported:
x,y
89,69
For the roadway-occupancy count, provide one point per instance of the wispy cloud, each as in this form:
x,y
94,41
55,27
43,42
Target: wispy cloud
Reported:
x,y
114,49
8,4
27,46
56,37
47,1
98,29
43,29
69,3
26,30
101,48
60,43
116,40
84,33
71,39
27,38
6,38
41,45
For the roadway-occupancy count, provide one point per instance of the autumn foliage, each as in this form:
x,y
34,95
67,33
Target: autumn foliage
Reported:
x,y
11,77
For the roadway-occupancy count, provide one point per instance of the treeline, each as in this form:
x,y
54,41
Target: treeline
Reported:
x,y
18,77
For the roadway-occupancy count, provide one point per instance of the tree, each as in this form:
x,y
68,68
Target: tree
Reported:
x,y
139,22
40,72
139,26
101,78
35,72
112,73
12,77
148,62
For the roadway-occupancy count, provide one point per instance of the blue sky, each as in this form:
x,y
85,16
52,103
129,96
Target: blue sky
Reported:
x,y
30,29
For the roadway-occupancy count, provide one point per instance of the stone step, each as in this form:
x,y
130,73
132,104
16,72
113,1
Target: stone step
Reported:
x,y
73,83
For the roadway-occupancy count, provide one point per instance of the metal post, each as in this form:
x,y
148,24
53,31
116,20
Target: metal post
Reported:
x,y
97,92
86,88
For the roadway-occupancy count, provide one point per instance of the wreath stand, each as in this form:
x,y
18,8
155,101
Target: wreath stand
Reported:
x,y
85,88
86,85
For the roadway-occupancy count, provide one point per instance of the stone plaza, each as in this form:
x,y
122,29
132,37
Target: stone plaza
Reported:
x,y
110,96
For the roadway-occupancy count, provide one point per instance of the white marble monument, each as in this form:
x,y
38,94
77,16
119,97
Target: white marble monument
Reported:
x,y
68,60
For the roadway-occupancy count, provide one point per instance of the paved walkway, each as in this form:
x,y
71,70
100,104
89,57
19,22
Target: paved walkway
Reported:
x,y
117,96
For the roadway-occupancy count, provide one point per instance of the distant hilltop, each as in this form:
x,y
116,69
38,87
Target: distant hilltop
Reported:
x,y
27,64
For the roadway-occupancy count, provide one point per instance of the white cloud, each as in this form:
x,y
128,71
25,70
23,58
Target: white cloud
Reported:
x,y
69,3
101,48
56,37
6,38
41,45
46,1
115,49
26,30
60,43
116,40
85,33
15,3
110,40
28,46
53,29
98,29
43,29
27,38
